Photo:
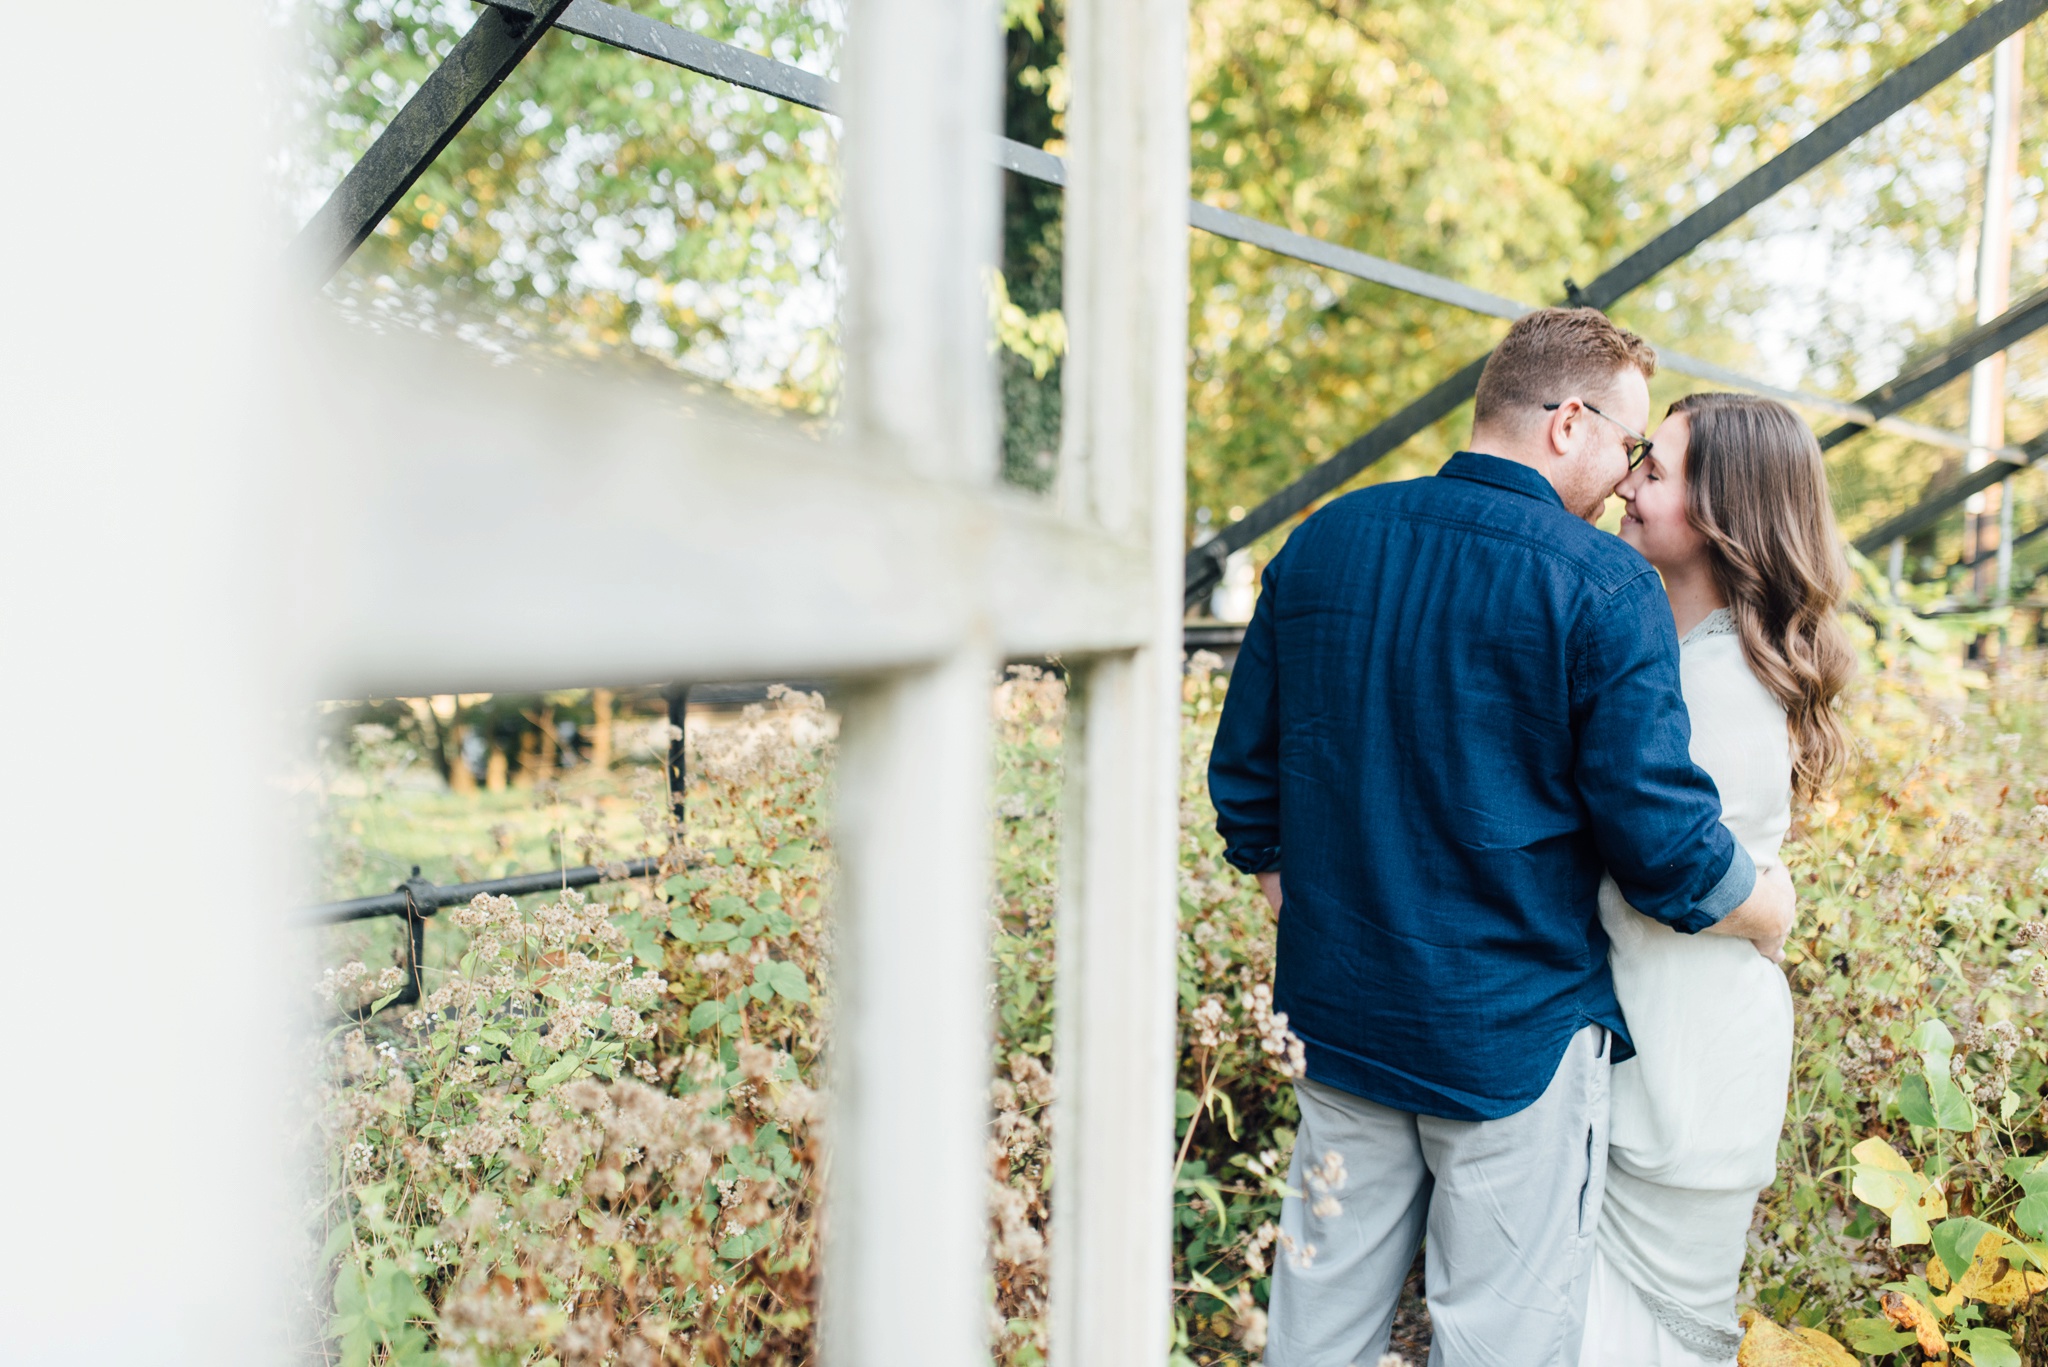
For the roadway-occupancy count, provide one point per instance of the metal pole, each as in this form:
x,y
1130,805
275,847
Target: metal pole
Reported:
x,y
678,750
2005,540
1994,293
1935,369
448,99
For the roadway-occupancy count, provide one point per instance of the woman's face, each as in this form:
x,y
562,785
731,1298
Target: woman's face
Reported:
x,y
1653,495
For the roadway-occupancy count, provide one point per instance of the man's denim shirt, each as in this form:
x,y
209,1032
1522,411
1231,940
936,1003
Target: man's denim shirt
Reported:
x,y
1456,705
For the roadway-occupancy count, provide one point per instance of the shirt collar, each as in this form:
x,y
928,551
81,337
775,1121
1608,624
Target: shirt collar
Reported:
x,y
1502,474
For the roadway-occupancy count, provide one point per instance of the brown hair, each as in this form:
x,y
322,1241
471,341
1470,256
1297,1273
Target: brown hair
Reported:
x,y
1551,355
1757,489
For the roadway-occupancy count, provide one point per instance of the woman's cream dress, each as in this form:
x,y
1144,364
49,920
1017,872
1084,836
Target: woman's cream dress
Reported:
x,y
1697,1111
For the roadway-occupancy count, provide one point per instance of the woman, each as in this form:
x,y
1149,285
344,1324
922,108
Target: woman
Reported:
x,y
1731,506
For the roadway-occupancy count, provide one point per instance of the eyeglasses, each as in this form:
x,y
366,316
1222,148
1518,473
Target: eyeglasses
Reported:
x,y
1639,445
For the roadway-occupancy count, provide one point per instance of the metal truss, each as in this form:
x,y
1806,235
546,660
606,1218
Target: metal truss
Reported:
x,y
1204,565
509,28
692,52
1922,378
447,100
1936,369
1928,511
1986,557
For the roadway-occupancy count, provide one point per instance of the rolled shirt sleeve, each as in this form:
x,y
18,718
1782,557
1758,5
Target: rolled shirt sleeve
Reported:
x,y
1731,892
1244,765
1656,815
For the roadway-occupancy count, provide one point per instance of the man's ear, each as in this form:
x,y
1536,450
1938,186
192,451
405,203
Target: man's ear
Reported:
x,y
1557,429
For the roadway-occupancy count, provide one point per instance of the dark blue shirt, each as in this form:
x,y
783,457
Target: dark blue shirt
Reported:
x,y
1456,705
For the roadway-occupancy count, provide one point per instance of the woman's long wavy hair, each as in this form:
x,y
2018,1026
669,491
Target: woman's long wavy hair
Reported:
x,y
1757,489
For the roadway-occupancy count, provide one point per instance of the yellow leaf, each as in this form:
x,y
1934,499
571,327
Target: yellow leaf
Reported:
x,y
1991,1278
1827,1351
1767,1345
1946,1298
1908,1313
1875,1153
1887,1181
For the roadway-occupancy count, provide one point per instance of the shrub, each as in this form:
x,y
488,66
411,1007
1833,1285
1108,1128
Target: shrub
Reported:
x,y
594,1141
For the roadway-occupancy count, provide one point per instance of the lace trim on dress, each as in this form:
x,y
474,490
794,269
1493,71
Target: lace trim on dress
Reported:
x,y
1709,1340
1719,622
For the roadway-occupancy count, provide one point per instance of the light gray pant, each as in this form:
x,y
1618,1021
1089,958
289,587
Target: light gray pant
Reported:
x,y
1509,1205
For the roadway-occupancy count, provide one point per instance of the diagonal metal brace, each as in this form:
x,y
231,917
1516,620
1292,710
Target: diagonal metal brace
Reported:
x,y
1931,372
1897,90
1928,511
2031,534
447,100
1204,566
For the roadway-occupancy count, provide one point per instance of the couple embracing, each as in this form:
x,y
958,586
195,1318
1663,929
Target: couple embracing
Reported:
x,y
1515,788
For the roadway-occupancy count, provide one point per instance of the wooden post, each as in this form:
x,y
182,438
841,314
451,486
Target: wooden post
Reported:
x,y
1122,471
906,1266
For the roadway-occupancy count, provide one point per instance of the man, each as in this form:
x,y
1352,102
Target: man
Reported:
x,y
1457,705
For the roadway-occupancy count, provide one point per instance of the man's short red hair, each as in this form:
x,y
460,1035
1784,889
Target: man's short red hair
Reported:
x,y
1553,354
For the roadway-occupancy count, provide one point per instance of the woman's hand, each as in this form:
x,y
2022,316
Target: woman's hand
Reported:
x,y
1766,918
1269,883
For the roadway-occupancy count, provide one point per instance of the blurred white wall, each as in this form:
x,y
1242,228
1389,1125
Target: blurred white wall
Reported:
x,y
138,980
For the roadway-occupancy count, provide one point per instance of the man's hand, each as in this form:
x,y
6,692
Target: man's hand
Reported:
x,y
1766,918
1269,883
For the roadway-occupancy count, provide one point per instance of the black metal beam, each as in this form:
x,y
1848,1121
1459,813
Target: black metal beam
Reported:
x,y
1901,88
2018,541
445,101
1886,98
424,898
622,28
1928,511
678,766
1204,566
1936,369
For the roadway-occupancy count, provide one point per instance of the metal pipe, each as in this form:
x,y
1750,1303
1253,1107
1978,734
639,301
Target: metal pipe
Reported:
x,y
1937,368
430,898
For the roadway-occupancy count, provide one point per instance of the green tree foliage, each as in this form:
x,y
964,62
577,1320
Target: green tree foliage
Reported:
x,y
1033,98
601,202
605,204
1498,143
1513,145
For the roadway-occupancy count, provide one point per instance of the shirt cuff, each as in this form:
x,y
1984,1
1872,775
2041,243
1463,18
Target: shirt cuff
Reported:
x,y
1259,858
1731,892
